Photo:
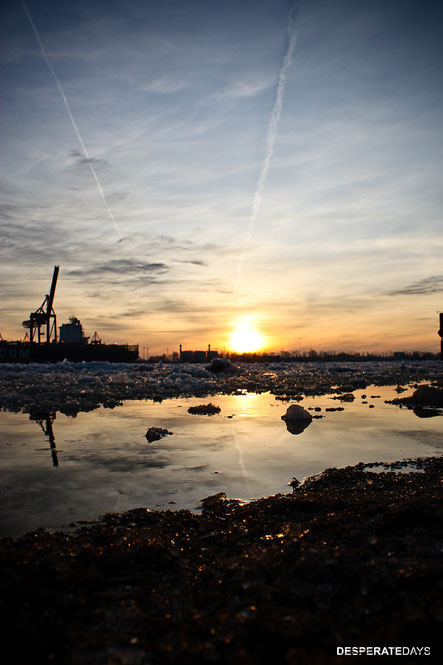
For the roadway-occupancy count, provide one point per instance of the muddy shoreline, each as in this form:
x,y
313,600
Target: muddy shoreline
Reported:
x,y
352,558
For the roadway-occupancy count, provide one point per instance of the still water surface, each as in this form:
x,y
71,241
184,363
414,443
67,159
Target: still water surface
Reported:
x,y
101,462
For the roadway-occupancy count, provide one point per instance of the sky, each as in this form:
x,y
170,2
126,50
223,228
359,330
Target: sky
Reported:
x,y
198,167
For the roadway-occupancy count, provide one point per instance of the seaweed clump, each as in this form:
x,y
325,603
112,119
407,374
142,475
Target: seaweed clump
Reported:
x,y
351,557
156,433
204,409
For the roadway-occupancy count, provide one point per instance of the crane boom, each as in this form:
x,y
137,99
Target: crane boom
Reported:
x,y
50,298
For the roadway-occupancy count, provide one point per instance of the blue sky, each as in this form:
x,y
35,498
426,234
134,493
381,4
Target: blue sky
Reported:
x,y
173,101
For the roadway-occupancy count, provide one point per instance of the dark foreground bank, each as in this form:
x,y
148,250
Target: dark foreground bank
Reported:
x,y
354,558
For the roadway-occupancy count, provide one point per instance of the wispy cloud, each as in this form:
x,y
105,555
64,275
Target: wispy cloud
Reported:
x,y
165,86
240,90
120,267
433,284
81,159
194,262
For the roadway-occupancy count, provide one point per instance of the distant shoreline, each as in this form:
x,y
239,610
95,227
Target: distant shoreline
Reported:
x,y
75,387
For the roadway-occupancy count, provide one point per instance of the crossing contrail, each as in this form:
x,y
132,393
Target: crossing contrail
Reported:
x,y
270,140
71,117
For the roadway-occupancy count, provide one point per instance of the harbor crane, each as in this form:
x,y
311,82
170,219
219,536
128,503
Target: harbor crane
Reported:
x,y
43,317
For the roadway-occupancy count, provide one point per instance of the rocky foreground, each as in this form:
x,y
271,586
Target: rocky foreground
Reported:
x,y
351,558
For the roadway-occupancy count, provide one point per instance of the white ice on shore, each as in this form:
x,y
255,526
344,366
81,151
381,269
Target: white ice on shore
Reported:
x,y
84,386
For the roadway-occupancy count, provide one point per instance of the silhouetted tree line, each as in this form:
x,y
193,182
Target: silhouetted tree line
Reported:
x,y
309,356
330,356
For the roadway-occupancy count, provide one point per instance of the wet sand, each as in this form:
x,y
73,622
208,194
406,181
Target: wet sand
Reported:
x,y
353,558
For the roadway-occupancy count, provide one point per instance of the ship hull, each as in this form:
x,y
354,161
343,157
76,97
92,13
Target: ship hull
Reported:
x,y
25,352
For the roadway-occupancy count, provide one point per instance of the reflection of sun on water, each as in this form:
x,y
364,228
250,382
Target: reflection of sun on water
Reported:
x,y
247,404
246,339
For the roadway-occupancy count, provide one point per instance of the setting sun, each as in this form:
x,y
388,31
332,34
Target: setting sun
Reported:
x,y
246,339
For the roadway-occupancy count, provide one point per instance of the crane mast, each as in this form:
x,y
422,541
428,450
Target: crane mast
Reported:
x,y
440,332
42,324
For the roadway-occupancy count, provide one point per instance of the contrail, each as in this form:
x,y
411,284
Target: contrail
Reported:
x,y
241,463
71,117
270,140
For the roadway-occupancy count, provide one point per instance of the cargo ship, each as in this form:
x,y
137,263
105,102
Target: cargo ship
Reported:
x,y
42,342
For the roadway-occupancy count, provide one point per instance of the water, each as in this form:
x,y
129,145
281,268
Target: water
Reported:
x,y
101,462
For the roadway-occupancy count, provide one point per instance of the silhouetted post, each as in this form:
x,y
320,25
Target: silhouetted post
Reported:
x,y
45,421
50,433
440,332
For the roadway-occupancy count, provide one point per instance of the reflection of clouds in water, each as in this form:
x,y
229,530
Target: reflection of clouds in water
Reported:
x,y
126,465
106,464
419,436
202,467
218,442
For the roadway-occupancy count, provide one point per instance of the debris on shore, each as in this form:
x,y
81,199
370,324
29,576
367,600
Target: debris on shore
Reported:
x,y
217,503
204,409
156,433
351,558
423,396
297,419
223,365
346,397
74,387
297,412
